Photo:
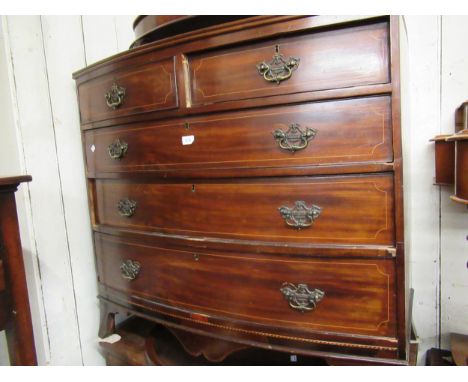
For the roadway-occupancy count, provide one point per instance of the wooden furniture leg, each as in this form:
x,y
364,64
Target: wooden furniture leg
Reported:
x,y
18,328
107,320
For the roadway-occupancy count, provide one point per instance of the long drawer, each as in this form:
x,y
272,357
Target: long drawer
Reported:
x,y
328,59
353,296
334,210
134,90
333,132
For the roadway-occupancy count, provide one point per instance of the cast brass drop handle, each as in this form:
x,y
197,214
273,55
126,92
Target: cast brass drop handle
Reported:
x,y
295,138
301,297
300,216
117,149
279,68
130,269
115,96
126,207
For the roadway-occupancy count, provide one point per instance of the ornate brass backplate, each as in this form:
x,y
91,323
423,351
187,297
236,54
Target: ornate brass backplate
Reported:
x,y
301,297
130,269
117,149
115,96
300,216
295,138
279,68
126,207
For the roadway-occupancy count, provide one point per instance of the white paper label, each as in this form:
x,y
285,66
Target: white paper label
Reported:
x,y
188,139
112,339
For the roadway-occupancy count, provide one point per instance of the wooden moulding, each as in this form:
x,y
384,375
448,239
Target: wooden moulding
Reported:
x,y
150,28
444,160
145,343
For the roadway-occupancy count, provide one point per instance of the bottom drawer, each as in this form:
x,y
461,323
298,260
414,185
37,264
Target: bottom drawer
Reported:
x,y
288,292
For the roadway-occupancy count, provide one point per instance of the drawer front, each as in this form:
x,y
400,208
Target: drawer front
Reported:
x,y
140,89
334,132
330,59
337,295
336,209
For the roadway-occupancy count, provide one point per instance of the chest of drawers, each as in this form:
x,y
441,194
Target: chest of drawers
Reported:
x,y
245,184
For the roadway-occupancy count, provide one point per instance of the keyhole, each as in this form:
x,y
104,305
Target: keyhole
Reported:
x,y
277,49
186,125
196,256
193,188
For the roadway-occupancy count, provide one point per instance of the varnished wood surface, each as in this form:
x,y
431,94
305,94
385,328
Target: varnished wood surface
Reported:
x,y
145,24
152,28
13,180
220,194
148,87
359,295
316,343
243,104
444,161
330,59
355,209
347,131
265,26
174,241
15,317
145,343
461,171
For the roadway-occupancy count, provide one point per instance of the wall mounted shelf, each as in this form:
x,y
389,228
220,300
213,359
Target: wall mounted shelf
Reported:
x,y
451,157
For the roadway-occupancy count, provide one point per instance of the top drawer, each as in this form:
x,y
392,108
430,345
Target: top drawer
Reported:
x,y
136,90
329,59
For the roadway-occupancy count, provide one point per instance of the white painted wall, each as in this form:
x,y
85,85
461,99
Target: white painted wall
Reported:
x,y
40,125
39,130
438,61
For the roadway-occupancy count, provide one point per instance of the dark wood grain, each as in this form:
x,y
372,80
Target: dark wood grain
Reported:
x,y
14,181
444,161
148,87
187,110
461,171
359,295
253,28
2,277
347,131
207,213
195,243
15,317
330,59
355,209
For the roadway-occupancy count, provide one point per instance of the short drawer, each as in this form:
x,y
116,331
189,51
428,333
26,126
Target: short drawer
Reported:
x,y
336,209
330,59
334,132
353,296
138,89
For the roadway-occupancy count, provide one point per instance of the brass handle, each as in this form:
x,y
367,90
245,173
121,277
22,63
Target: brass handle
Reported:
x,y
126,207
294,139
301,297
115,96
300,216
117,149
278,69
130,269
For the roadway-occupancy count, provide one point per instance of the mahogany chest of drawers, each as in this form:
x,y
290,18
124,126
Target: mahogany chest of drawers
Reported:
x,y
245,184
